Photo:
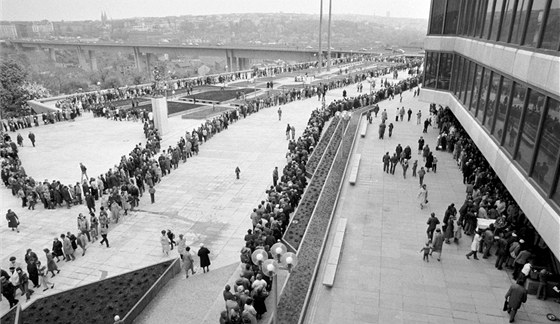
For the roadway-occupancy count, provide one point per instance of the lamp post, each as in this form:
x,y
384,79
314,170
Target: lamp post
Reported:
x,y
281,259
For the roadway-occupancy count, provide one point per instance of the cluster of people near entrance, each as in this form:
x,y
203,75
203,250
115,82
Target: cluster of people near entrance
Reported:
x,y
490,215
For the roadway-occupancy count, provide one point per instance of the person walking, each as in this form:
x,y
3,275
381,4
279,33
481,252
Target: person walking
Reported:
x,y
414,167
423,196
13,220
279,113
426,252
432,223
386,159
382,127
275,176
515,296
420,145
67,248
84,172
437,245
181,246
32,138
171,238
82,242
418,117
8,290
42,271
404,165
164,241
237,172
475,245
394,161
203,254
188,262
288,129
421,174
390,129
103,230
409,112
57,249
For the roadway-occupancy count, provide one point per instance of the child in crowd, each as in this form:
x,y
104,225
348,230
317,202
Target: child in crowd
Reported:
x,y
426,251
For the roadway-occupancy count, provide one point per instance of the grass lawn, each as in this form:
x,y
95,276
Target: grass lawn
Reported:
x,y
174,107
220,95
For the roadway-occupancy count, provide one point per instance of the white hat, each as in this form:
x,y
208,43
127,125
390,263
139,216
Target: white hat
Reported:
x,y
201,244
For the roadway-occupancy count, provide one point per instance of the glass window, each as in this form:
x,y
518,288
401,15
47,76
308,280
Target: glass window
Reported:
x,y
529,129
454,73
506,20
436,22
475,6
552,27
496,22
492,100
462,18
483,92
514,117
503,105
444,72
431,69
488,19
536,16
472,100
549,147
480,17
556,194
519,23
451,17
467,82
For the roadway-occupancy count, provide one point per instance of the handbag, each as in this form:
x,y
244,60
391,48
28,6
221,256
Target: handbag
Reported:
x,y
506,305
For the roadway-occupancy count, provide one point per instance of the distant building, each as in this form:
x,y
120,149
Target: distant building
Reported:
x,y
8,31
42,28
203,70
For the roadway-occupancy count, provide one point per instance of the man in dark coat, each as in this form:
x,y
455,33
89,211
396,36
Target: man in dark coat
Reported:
x,y
203,254
516,295
32,138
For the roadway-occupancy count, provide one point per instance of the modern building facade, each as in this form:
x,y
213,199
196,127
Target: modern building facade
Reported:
x,y
496,65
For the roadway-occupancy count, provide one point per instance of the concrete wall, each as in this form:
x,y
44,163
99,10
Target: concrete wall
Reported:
x,y
537,209
536,69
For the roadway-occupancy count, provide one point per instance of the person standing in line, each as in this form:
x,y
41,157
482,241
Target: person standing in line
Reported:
x,y
475,245
13,220
94,225
203,254
181,246
42,271
423,196
515,296
288,129
67,248
84,172
8,290
32,138
293,129
432,223
82,242
103,230
188,262
275,176
437,246
421,174
501,251
51,265
152,192
57,249
21,280
164,241
237,172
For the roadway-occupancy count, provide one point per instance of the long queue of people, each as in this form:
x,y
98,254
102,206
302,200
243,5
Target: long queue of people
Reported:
x,y
245,299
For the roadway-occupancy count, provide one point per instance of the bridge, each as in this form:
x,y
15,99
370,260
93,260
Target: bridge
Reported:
x,y
237,57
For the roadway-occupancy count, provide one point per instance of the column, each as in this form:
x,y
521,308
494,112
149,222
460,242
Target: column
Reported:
x,y
82,61
92,60
52,54
329,38
139,60
159,110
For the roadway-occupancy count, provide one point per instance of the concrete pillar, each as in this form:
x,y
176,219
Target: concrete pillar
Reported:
x,y
329,38
52,54
139,60
320,54
150,61
237,62
159,110
92,60
82,61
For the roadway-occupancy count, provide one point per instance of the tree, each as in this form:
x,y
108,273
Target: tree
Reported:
x,y
13,94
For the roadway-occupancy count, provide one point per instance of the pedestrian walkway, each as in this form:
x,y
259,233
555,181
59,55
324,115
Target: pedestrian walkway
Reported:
x,y
381,277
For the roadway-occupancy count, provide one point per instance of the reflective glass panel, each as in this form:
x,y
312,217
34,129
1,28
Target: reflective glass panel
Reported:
x,y
431,69
488,19
514,117
529,129
549,147
481,17
506,21
519,22
459,76
444,72
466,72
536,16
454,73
492,101
556,195
482,99
451,17
496,21
475,90
436,22
552,28
503,106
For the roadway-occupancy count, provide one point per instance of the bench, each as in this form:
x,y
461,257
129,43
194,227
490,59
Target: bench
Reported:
x,y
334,256
354,166
363,127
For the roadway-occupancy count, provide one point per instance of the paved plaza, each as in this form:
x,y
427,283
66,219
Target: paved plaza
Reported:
x,y
381,277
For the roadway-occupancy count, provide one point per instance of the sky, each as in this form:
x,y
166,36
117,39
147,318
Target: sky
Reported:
x,y
56,10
